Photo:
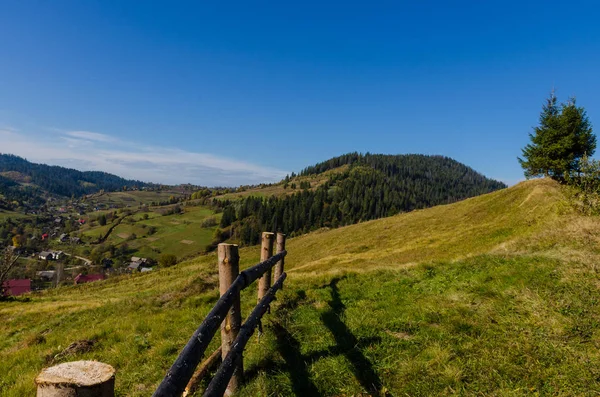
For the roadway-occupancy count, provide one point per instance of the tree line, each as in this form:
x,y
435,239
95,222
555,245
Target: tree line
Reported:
x,y
58,180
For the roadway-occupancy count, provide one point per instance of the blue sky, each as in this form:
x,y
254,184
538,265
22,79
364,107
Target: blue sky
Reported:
x,y
225,93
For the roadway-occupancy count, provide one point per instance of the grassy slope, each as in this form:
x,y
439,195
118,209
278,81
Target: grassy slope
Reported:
x,y
133,198
11,214
181,235
278,190
171,230
495,295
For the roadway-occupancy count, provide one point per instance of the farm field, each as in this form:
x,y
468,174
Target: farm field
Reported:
x,y
183,234
133,198
11,214
494,295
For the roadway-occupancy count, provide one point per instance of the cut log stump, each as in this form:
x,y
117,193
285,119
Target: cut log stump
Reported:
x,y
77,379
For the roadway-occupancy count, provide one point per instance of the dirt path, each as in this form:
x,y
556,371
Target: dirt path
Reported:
x,y
118,222
88,262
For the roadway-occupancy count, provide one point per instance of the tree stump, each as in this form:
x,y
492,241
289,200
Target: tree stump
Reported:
x,y
77,379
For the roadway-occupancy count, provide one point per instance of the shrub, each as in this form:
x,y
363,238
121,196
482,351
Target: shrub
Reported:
x,y
167,260
584,192
209,222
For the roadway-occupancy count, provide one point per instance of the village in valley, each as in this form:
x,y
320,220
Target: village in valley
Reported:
x,y
70,242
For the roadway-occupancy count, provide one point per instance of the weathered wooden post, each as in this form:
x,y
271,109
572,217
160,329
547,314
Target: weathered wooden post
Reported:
x,y
280,248
229,269
77,379
266,251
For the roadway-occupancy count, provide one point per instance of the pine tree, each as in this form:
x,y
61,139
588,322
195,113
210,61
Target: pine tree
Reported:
x,y
557,145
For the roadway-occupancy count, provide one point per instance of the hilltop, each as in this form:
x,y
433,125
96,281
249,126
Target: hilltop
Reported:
x,y
348,189
493,295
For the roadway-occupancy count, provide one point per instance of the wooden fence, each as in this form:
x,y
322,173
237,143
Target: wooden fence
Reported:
x,y
183,377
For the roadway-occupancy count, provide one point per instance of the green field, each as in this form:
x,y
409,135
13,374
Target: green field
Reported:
x,y
495,295
11,214
133,198
180,234
278,189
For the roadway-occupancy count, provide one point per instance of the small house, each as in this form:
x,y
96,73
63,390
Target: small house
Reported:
x,y
137,263
17,287
88,278
46,256
46,275
63,237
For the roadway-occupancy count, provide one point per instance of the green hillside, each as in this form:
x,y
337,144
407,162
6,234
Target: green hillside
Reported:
x,y
494,295
28,185
349,189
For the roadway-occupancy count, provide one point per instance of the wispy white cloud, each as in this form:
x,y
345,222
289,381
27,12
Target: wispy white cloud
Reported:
x,y
86,150
91,136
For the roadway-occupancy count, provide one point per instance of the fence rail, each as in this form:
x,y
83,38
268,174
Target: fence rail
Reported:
x,y
218,384
234,337
226,314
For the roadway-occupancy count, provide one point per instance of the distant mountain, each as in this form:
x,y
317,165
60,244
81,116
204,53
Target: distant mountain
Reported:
x,y
23,181
353,188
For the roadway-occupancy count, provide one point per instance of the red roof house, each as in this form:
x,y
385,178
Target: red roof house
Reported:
x,y
88,278
44,236
17,287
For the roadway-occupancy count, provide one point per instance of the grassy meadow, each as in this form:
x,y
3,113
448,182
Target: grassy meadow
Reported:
x,y
149,234
278,189
11,214
495,295
133,198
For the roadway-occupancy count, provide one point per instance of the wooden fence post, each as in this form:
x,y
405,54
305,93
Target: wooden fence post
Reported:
x,y
280,248
78,378
266,251
229,269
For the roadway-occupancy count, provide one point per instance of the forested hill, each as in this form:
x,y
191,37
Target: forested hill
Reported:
x,y
367,187
440,170
57,180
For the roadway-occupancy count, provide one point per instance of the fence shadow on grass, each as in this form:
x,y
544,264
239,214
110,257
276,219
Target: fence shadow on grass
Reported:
x,y
296,364
348,344
289,349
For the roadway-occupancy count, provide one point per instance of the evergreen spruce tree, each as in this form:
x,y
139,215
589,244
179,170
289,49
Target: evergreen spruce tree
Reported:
x,y
559,143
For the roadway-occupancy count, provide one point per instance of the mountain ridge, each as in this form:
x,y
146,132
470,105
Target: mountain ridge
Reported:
x,y
30,184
